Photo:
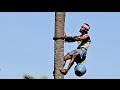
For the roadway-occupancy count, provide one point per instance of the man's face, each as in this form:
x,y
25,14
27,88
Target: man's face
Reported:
x,y
83,28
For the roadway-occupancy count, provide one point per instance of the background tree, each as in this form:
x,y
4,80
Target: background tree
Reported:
x,y
28,76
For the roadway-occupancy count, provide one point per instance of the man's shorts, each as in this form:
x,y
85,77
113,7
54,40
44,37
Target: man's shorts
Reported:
x,y
81,51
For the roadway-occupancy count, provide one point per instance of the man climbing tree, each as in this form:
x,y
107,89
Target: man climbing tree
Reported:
x,y
78,55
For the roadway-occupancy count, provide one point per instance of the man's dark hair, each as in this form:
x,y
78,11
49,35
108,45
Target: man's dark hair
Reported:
x,y
87,25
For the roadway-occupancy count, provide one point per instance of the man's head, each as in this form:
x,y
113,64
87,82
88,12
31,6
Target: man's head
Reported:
x,y
85,28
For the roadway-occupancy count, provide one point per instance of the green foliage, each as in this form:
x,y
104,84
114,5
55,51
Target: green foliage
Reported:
x,y
43,77
27,76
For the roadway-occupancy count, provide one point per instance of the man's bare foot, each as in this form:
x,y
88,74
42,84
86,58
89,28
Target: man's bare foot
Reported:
x,y
63,71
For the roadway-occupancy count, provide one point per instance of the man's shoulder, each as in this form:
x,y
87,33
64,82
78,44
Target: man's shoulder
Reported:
x,y
87,35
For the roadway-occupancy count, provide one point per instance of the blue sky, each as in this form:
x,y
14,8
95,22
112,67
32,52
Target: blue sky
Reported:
x,y
27,47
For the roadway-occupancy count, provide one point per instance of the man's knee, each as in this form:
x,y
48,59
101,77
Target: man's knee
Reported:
x,y
66,57
76,54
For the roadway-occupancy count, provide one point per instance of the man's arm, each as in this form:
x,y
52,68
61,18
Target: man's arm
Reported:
x,y
69,39
66,38
82,38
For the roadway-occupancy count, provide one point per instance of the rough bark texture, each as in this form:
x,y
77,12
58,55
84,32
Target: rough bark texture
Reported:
x,y
59,44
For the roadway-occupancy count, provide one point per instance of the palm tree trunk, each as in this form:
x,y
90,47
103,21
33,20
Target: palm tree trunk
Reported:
x,y
59,44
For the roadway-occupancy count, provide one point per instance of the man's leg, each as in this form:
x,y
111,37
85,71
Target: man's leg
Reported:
x,y
65,71
66,57
76,54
